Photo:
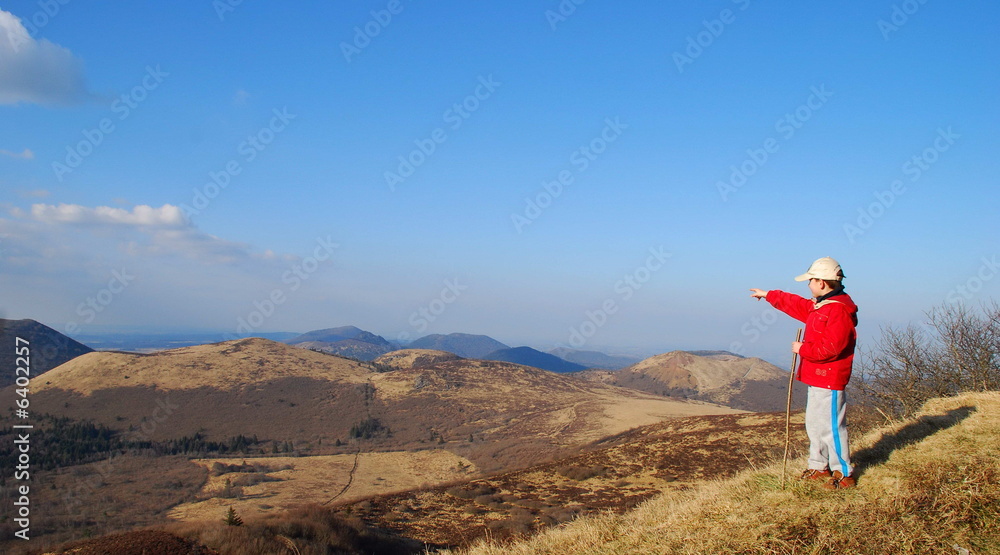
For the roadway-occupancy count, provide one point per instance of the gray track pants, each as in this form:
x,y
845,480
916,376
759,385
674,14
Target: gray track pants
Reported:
x,y
826,426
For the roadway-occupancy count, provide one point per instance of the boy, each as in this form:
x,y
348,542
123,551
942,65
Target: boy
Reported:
x,y
826,353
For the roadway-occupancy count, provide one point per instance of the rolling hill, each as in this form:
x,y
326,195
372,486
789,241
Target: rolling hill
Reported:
x,y
532,357
346,341
496,414
47,347
719,377
462,344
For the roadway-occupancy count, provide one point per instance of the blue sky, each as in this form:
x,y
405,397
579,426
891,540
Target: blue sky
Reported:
x,y
739,140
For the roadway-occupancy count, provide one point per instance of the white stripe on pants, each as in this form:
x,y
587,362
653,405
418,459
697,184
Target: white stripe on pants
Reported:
x,y
826,426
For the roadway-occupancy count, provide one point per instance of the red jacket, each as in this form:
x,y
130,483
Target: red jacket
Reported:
x,y
827,352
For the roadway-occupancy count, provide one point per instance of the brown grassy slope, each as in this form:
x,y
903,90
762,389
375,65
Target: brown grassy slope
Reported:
x,y
114,495
307,530
928,485
273,485
738,382
136,542
501,415
228,365
304,531
613,475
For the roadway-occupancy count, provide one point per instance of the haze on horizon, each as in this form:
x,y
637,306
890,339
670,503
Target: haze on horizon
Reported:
x,y
618,171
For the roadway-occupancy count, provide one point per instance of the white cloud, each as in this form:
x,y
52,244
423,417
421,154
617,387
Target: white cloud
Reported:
x,y
25,154
167,215
54,257
148,232
37,71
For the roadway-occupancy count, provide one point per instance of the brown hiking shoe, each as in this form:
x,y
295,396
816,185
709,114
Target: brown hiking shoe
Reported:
x,y
838,481
813,474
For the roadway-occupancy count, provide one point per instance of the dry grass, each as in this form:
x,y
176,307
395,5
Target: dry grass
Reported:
x,y
615,474
928,485
287,482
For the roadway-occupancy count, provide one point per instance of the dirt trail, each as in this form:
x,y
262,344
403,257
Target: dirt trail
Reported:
x,y
350,477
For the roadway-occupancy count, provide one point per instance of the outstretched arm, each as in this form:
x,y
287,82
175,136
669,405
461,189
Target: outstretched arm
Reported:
x,y
793,305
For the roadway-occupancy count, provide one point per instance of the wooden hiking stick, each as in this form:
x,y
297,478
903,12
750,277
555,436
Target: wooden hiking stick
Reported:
x,y
788,411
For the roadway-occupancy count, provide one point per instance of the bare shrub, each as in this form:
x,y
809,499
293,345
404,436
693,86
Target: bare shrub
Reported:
x,y
230,491
957,350
530,504
581,473
470,493
487,500
516,525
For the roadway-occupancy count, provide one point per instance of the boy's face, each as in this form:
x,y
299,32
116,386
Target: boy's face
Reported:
x,y
817,287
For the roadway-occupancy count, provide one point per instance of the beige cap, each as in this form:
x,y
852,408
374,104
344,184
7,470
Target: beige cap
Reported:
x,y
824,268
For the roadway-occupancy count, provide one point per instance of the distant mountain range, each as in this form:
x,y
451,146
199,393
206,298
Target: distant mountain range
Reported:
x,y
716,376
47,348
594,359
140,342
347,341
332,335
532,357
462,344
